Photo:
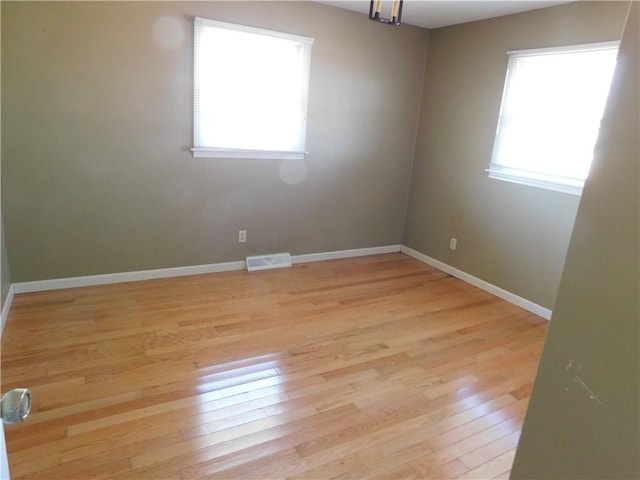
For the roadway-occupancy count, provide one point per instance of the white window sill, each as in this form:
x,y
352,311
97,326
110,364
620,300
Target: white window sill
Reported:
x,y
531,179
203,152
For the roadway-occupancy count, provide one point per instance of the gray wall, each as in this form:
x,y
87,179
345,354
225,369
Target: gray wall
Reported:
x,y
97,122
5,272
594,336
510,235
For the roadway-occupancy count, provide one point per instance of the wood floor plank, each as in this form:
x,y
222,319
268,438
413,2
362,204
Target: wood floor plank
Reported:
x,y
492,468
247,464
451,469
369,367
491,450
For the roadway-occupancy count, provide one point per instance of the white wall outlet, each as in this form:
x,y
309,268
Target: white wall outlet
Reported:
x,y
242,236
453,243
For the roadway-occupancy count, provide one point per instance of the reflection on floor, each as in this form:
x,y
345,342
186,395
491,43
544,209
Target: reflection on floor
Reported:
x,y
374,367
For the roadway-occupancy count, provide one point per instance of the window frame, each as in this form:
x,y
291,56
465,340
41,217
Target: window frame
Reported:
x,y
208,151
539,179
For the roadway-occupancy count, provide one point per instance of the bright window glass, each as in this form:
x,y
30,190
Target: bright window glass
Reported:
x,y
552,105
250,91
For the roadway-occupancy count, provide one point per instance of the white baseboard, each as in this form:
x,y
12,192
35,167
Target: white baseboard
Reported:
x,y
6,306
357,252
110,278
477,282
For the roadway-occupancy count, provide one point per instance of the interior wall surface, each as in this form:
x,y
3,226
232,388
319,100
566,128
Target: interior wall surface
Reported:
x,y
583,418
510,235
98,177
5,271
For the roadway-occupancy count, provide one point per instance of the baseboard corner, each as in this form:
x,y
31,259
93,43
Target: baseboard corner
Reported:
x,y
6,307
481,284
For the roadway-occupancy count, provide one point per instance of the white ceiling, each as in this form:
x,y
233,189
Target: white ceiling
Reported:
x,y
434,14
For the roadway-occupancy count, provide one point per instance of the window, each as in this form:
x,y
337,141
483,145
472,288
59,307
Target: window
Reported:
x,y
250,91
551,109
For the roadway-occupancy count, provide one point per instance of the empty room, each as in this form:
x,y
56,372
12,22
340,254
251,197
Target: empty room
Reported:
x,y
320,239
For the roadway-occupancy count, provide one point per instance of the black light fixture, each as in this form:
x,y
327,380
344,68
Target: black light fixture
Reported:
x,y
396,12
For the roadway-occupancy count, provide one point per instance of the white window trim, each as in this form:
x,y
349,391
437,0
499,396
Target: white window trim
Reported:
x,y
583,47
208,152
535,179
505,173
200,151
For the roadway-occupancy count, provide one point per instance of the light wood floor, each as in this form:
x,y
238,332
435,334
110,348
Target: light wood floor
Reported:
x,y
375,367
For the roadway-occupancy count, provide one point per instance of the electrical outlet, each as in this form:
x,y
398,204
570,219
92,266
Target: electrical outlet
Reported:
x,y
453,243
242,236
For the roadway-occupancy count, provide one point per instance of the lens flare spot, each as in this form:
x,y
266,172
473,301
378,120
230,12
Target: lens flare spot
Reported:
x,y
168,32
292,172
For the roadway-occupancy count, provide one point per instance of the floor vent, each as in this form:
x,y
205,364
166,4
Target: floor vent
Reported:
x,y
264,262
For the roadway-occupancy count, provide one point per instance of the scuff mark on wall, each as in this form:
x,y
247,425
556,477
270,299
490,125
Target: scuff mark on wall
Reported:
x,y
574,370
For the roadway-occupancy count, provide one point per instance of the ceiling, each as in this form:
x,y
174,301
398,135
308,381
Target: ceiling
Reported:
x,y
434,14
